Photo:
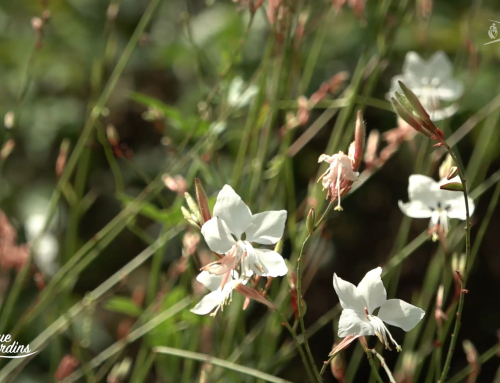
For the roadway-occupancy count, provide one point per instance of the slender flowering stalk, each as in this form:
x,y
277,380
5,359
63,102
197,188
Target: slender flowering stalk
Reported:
x,y
411,110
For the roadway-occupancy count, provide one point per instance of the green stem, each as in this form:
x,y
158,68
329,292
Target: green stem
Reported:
x,y
219,362
374,368
458,320
384,365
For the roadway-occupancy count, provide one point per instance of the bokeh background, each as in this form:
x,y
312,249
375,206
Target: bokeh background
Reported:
x,y
51,78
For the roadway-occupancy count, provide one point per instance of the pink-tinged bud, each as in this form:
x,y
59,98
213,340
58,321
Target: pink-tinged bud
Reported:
x,y
471,354
202,201
252,293
46,15
112,11
358,6
124,328
439,315
61,158
444,168
7,149
344,344
424,9
338,368
9,119
272,8
119,372
452,173
359,141
337,81
66,367
138,295
311,219
320,94
112,135
176,184
338,4
190,242
371,148
37,23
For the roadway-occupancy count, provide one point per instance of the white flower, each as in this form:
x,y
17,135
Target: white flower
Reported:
x,y
427,200
432,82
358,304
339,176
237,97
220,295
46,248
232,230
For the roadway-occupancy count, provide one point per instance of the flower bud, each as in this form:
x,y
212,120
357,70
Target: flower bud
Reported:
x,y
7,149
338,369
112,135
9,119
120,371
471,354
359,140
452,173
61,158
66,367
445,167
194,209
310,220
202,201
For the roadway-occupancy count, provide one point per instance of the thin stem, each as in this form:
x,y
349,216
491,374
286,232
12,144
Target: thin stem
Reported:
x,y
374,368
458,321
299,291
326,364
298,345
218,362
487,355
384,365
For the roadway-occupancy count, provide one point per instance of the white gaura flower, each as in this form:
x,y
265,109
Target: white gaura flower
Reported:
x,y
432,82
233,228
239,98
221,293
427,200
358,304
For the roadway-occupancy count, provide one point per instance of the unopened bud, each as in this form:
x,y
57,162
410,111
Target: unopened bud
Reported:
x,y
177,184
37,24
201,196
7,149
311,219
66,367
9,119
189,217
303,111
61,158
445,167
190,242
112,11
371,148
112,135
359,140
194,209
452,172
138,295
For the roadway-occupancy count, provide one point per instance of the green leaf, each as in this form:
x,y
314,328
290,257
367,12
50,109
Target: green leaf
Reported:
x,y
149,210
453,186
123,305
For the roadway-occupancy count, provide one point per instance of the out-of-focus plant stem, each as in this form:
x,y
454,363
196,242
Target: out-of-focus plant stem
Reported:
x,y
458,319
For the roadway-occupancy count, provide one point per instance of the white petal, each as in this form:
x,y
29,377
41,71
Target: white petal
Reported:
x,y
267,228
208,303
414,65
372,289
349,296
424,189
233,211
415,209
217,235
210,281
355,324
456,208
449,90
439,66
272,263
401,314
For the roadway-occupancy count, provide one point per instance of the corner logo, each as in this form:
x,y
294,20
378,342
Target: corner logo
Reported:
x,y
493,32
18,350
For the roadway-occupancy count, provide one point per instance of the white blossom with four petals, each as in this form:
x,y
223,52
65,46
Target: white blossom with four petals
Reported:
x,y
432,82
427,200
232,230
359,302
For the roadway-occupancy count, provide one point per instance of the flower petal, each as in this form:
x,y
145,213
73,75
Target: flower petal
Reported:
x,y
414,65
424,189
372,289
210,281
349,296
354,324
209,302
456,208
439,66
267,228
401,314
230,208
269,263
449,90
217,235
415,209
